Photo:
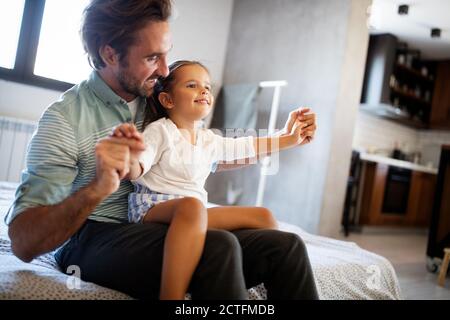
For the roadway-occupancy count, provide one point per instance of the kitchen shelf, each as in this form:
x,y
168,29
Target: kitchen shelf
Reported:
x,y
396,77
410,96
401,68
387,112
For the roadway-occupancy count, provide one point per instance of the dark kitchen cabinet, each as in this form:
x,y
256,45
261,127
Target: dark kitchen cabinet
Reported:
x,y
396,197
439,234
440,111
379,67
398,84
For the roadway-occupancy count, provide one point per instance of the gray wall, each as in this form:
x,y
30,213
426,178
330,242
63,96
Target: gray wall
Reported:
x,y
315,45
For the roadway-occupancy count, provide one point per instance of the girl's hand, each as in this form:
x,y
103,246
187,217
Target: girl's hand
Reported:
x,y
293,116
309,127
129,131
301,123
298,132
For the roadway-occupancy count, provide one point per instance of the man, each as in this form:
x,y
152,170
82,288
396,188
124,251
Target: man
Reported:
x,y
73,195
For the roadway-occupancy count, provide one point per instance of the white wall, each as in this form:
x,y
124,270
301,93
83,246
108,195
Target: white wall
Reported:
x,y
430,143
380,135
200,31
24,102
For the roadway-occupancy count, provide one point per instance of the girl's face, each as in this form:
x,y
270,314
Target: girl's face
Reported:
x,y
190,97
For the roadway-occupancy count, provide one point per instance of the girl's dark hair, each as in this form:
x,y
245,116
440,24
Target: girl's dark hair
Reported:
x,y
155,110
115,23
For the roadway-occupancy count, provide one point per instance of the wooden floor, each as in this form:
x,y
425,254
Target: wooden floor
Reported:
x,y
406,250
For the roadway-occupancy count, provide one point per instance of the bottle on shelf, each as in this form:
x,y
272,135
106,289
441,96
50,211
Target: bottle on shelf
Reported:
x,y
409,60
427,96
397,153
418,91
393,83
424,71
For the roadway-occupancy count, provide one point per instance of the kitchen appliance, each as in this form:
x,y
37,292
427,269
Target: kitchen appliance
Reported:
x,y
396,193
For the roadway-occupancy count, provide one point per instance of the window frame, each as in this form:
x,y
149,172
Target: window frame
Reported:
x,y
30,30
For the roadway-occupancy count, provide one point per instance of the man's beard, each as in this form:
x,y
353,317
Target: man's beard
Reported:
x,y
131,85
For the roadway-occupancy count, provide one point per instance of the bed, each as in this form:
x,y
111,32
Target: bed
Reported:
x,y
342,270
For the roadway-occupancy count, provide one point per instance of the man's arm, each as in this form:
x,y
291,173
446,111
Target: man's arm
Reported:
x,y
39,230
36,231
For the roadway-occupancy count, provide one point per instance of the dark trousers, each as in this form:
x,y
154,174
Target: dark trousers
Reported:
x,y
128,258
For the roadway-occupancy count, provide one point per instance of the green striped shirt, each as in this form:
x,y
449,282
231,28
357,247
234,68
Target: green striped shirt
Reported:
x,y
61,153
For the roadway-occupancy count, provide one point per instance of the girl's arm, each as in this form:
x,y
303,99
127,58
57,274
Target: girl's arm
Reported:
x,y
127,130
302,115
135,170
299,129
268,145
232,165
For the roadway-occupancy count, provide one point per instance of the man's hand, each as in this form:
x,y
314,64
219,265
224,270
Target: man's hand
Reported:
x,y
128,130
41,229
114,155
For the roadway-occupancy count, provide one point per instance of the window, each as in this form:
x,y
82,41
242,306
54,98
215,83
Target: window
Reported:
x,y
10,21
60,53
41,44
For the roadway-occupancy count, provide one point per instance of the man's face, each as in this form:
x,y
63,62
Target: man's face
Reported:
x,y
146,60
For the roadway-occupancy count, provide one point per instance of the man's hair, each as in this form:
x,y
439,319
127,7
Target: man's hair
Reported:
x,y
116,22
155,110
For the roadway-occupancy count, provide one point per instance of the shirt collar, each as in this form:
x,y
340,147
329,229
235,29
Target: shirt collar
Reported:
x,y
103,91
176,134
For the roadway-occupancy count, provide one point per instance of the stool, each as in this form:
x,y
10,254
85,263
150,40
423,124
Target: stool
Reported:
x,y
444,267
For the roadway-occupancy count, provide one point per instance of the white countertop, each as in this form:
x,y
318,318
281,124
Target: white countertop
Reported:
x,y
397,163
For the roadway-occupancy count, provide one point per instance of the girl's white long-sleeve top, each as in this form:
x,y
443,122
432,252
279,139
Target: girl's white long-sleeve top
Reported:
x,y
173,165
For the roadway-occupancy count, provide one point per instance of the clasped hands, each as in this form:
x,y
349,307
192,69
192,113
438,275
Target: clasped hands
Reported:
x,y
301,123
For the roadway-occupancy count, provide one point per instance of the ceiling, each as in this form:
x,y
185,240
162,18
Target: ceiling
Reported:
x,y
415,28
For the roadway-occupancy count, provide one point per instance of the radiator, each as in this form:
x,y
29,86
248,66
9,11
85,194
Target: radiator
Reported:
x,y
15,134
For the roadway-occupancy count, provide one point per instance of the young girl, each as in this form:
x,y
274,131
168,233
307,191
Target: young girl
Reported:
x,y
170,174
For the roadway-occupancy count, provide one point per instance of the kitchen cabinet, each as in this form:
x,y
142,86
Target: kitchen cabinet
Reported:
x,y
399,85
440,111
439,233
420,204
374,206
379,67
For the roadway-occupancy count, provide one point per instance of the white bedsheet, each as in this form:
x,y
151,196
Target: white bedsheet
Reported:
x,y
342,270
